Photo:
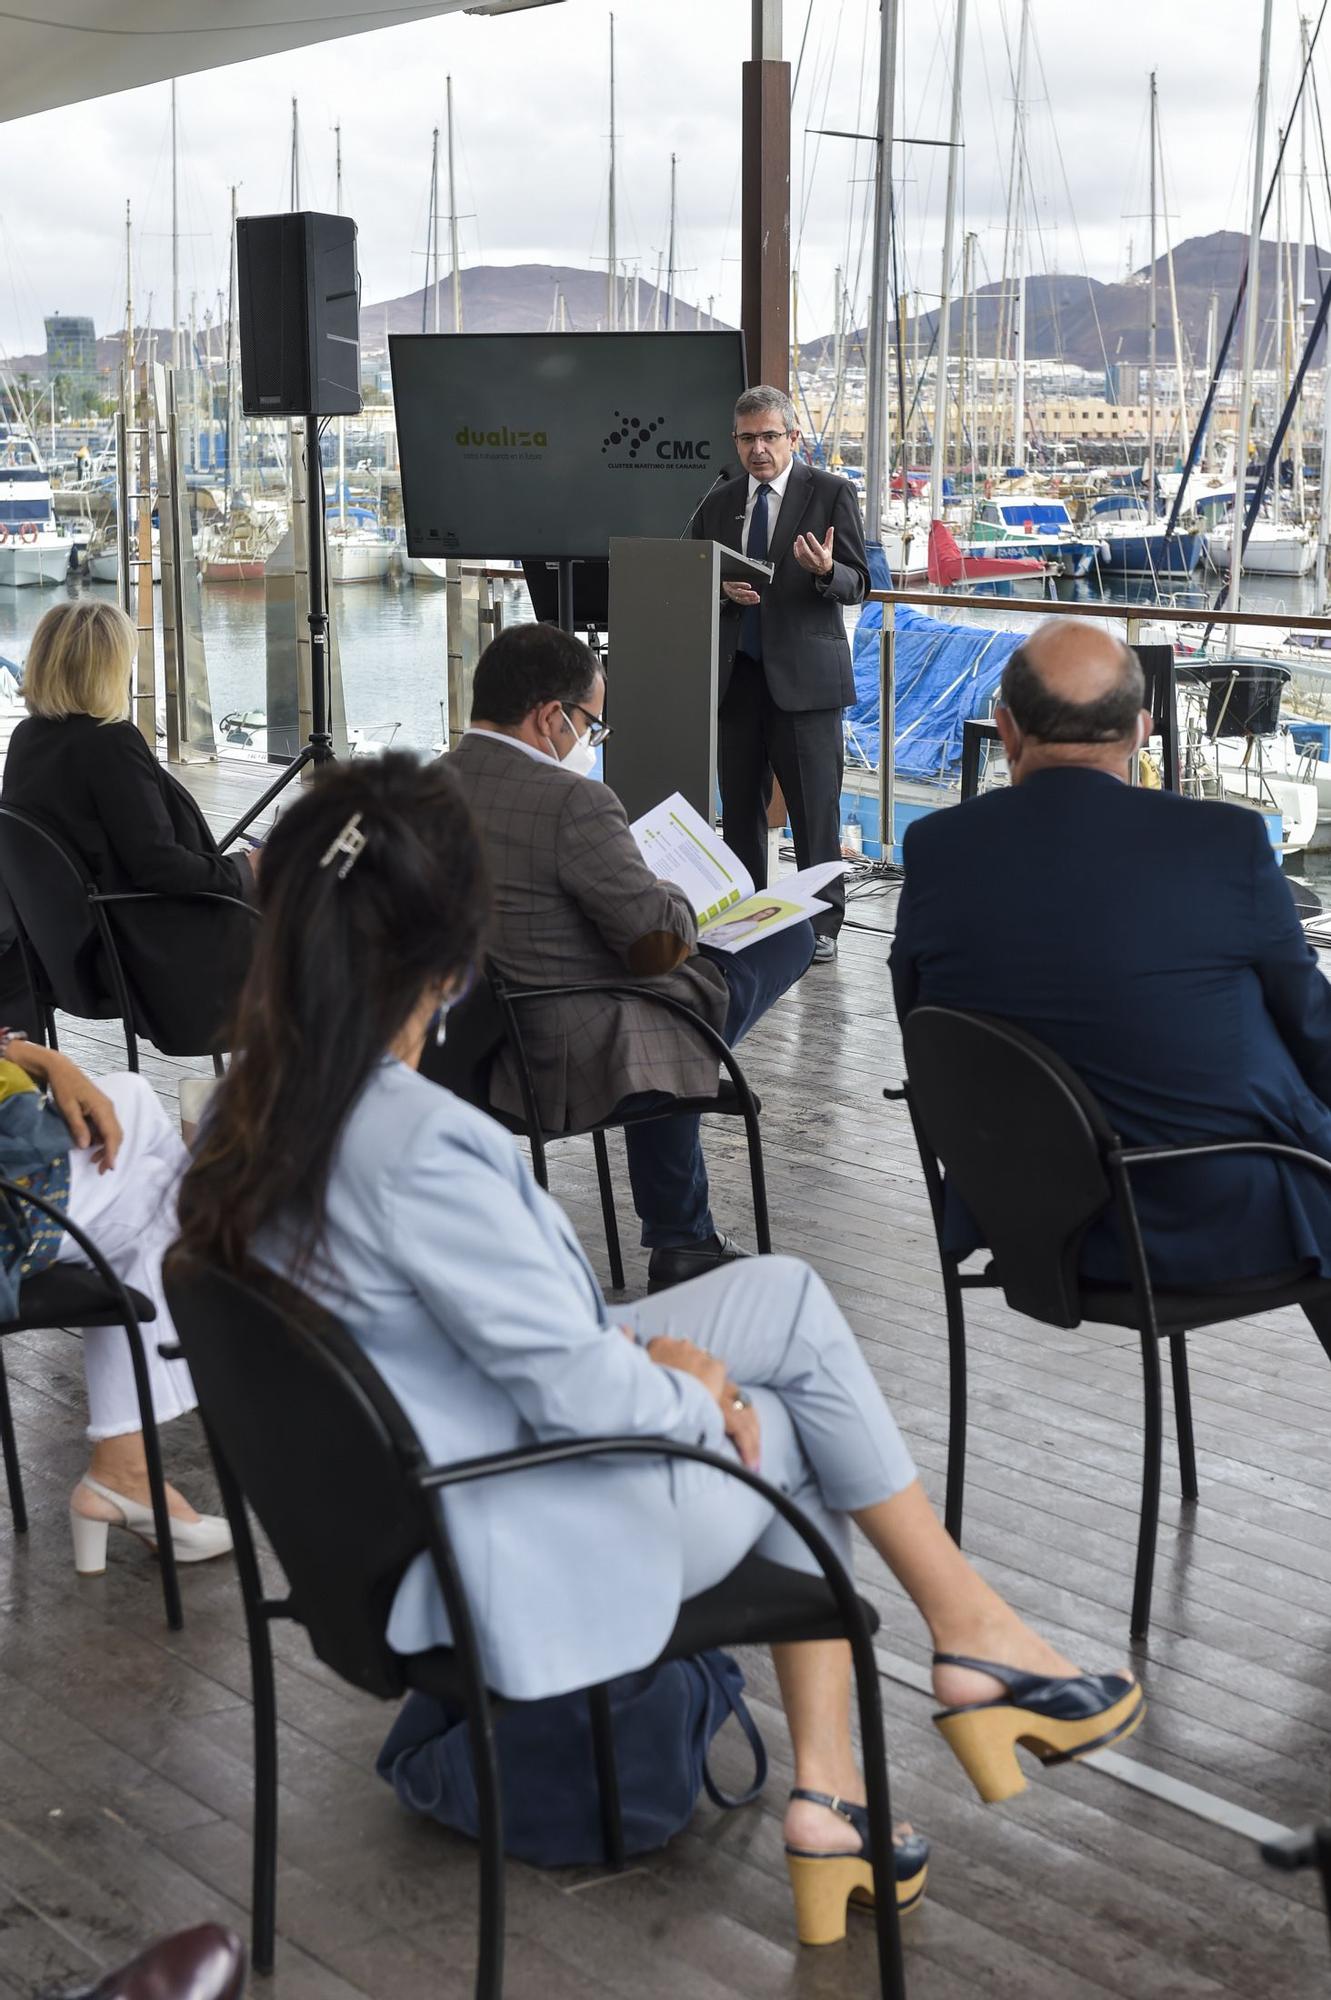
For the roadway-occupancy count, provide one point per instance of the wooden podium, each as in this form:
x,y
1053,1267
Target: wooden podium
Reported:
x,y
664,627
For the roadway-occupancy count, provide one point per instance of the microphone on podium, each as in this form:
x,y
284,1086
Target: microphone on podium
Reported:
x,y
726,472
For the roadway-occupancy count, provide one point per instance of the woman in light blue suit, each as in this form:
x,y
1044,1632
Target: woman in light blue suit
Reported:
x,y
414,1217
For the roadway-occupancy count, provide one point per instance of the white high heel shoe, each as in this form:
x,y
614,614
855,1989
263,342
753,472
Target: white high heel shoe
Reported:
x,y
193,1541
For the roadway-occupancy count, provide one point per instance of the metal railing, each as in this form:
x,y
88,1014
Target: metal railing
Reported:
x,y
1132,616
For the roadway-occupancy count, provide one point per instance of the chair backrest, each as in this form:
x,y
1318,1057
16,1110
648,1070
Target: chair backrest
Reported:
x,y
49,889
1022,1142
476,1030
318,1446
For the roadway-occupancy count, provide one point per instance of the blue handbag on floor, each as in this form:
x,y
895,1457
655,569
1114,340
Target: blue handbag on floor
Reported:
x,y
664,1720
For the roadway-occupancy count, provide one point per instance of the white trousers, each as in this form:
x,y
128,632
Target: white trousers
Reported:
x,y
828,1439
130,1214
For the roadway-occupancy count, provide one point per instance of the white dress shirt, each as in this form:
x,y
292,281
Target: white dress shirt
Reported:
x,y
527,749
775,493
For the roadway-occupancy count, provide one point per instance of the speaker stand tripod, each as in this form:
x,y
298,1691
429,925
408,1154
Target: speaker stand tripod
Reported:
x,y
318,747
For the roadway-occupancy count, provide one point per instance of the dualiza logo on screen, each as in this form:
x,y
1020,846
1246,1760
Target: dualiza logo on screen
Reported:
x,y
502,439
633,440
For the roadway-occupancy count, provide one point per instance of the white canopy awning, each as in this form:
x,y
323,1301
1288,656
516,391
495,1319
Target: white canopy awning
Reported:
x,y
55,52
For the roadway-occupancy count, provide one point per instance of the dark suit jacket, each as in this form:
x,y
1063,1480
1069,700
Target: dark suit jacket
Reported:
x,y
570,895
806,654
1153,943
134,826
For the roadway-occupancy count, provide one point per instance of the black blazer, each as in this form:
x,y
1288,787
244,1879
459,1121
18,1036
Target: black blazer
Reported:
x,y
806,654
134,826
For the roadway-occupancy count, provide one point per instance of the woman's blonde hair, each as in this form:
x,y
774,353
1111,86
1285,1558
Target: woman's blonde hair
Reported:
x,y
79,662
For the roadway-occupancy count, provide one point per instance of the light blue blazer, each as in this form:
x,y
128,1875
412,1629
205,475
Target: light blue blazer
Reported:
x,y
466,1287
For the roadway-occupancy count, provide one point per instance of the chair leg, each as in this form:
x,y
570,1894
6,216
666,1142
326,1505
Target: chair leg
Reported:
x,y
540,1172
490,1842
607,1775
1319,1319
956,1400
14,1478
762,1228
607,1187
887,1922
51,1041
1150,1514
263,1899
1187,1451
152,1452
131,1045
219,1066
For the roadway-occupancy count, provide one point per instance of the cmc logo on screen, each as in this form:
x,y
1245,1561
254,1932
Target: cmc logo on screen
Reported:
x,y
628,435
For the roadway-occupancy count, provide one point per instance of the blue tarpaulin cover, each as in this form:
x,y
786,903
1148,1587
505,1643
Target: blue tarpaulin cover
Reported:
x,y
945,675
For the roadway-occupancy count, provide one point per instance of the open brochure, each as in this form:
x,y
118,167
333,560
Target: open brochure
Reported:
x,y
680,847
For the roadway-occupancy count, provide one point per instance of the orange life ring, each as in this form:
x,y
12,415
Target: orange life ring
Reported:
x,y
28,531
4,533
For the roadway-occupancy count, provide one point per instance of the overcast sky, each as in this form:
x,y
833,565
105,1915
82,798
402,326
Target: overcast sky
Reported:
x,y
532,114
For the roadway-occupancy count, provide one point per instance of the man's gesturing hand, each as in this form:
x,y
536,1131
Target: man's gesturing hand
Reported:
x,y
813,555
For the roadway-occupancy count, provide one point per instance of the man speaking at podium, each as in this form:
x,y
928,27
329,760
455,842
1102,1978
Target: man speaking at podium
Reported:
x,y
784,673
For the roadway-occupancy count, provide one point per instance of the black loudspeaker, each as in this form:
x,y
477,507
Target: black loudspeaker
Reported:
x,y
299,298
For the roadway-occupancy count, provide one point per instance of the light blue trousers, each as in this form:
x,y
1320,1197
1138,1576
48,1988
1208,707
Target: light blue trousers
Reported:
x,y
828,1438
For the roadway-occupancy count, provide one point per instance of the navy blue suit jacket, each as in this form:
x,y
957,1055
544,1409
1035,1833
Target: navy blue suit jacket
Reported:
x,y
1153,943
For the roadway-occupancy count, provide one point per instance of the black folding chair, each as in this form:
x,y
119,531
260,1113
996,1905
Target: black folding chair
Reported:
x,y
66,1295
487,1021
347,1501
1030,1152
1309,1849
67,940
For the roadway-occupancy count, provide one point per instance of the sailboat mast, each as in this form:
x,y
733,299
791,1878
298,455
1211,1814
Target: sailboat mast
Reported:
x,y
963,355
938,469
175,239
877,400
432,237
1301,273
838,371
1153,337
453,212
295,154
127,368
341,422
1250,318
1278,354
612,247
670,255
1018,243
233,445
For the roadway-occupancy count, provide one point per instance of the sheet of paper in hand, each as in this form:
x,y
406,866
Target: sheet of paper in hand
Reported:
x,y
680,847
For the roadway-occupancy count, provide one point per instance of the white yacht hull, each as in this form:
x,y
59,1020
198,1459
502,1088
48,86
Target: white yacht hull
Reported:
x,y
44,561
425,569
355,561
1277,552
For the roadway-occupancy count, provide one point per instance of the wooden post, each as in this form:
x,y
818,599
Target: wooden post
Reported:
x,y
765,179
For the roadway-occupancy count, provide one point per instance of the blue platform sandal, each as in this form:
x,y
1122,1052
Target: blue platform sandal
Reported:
x,y
825,1885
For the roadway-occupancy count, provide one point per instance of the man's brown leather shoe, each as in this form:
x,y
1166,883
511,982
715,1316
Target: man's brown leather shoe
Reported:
x,y
206,1963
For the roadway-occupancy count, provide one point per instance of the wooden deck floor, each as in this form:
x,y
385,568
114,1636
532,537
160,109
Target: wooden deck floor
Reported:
x,y
124,1749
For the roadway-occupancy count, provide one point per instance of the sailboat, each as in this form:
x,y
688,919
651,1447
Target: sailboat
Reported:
x,y
1134,540
358,549
430,569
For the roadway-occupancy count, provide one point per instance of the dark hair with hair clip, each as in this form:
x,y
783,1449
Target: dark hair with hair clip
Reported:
x,y
343,956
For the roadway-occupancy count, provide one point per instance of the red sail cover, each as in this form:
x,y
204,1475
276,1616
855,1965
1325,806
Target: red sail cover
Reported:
x,y
947,565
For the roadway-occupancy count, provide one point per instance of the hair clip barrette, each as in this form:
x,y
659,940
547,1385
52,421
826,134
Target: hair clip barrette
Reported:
x,y
350,844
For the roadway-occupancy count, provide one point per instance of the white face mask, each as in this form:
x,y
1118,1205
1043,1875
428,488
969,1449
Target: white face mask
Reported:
x,y
580,757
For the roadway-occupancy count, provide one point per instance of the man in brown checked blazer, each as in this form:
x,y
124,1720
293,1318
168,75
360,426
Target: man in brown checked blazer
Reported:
x,y
574,901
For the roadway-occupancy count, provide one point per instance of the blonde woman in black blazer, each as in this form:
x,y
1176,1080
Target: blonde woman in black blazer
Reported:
x,y
83,769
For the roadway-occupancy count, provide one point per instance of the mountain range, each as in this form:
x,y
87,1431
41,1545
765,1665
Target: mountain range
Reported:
x,y
1068,318
1091,324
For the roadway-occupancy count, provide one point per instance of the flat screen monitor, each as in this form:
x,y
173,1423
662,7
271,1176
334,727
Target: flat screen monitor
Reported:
x,y
547,444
